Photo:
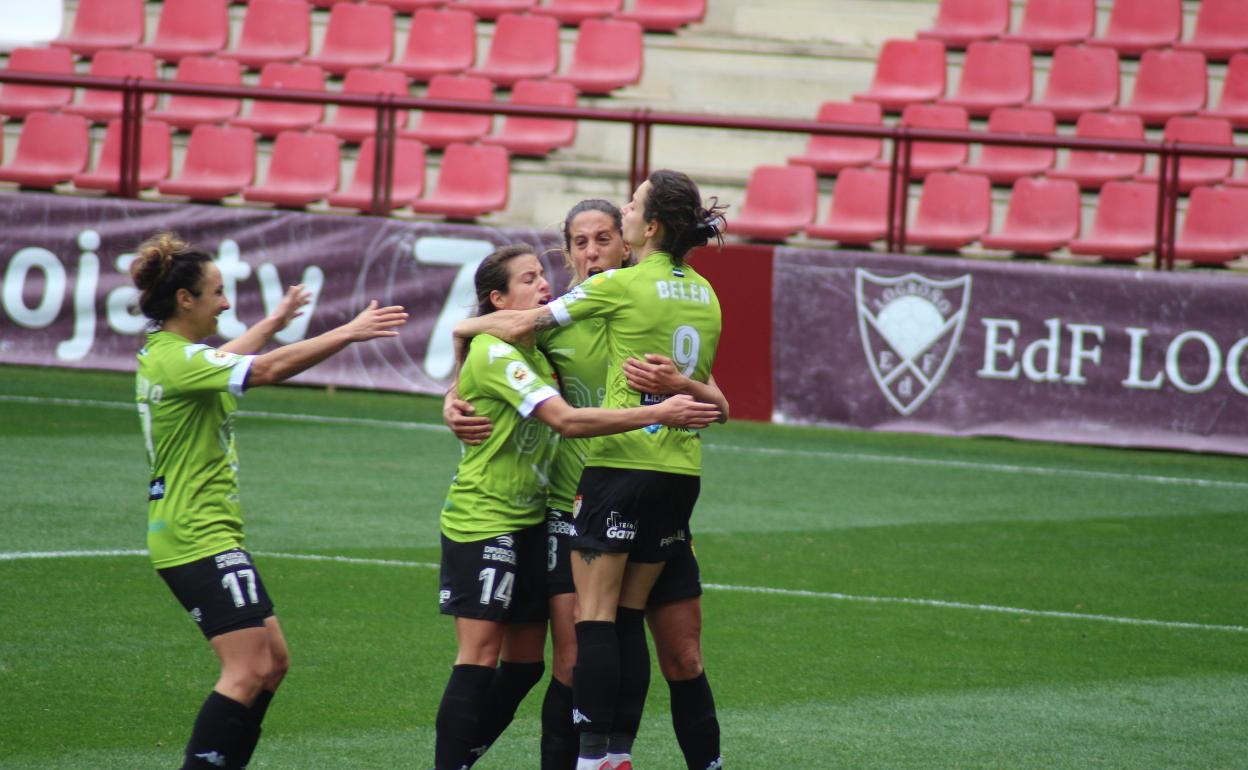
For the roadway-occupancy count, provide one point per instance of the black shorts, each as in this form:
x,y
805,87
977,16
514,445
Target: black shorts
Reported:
x,y
681,578
639,512
559,533
222,592
502,578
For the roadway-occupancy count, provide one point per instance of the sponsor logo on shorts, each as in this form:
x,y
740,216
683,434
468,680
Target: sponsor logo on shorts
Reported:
x,y
197,615
560,527
444,596
231,559
717,764
214,758
504,552
576,506
679,536
578,718
619,529
156,489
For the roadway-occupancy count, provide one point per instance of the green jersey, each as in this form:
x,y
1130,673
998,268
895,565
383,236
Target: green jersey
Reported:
x,y
500,485
186,398
579,355
654,307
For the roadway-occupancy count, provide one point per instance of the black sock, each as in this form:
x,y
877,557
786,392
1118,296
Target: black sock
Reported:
x,y
630,629
695,723
221,729
259,708
559,745
459,717
511,682
595,684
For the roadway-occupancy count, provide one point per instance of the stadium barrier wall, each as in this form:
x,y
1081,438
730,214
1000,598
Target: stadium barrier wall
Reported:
x,y
1034,351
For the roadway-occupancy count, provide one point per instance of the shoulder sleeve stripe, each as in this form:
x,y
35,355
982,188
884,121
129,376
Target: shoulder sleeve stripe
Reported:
x,y
560,311
534,399
238,375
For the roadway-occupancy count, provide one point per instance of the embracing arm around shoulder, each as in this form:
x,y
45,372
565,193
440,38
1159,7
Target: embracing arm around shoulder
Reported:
x,y
676,412
289,360
658,375
507,325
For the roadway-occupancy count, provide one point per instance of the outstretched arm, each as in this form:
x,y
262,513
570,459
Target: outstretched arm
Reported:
x,y
658,375
289,360
677,412
259,334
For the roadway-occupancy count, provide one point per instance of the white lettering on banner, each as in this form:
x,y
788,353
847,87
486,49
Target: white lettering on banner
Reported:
x,y
1175,375
466,254
1079,353
233,269
121,304
272,291
76,347
1133,380
54,279
993,347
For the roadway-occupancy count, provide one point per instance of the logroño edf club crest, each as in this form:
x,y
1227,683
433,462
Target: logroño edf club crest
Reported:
x,y
910,326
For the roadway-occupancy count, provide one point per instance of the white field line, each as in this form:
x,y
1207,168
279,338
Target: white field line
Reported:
x,y
787,592
1022,470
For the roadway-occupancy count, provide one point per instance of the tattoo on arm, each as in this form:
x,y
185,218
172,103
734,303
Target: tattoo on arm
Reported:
x,y
544,321
589,556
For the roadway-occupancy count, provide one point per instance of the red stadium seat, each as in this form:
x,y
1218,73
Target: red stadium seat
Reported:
x,y
926,157
273,30
102,105
1221,30
409,176
1136,26
908,71
410,6
523,48
573,12
1216,229
102,24
859,213
492,9
441,42
830,154
1091,169
186,112
1003,164
50,149
665,15
353,124
954,211
17,100
302,169
271,118
993,75
779,202
962,22
1196,171
439,129
154,158
358,35
190,28
1234,102
1048,24
220,161
1044,216
1081,79
1168,83
607,56
537,136
1126,223
473,181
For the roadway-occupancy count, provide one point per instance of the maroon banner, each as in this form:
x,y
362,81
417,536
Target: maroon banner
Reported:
x,y
67,296
1029,350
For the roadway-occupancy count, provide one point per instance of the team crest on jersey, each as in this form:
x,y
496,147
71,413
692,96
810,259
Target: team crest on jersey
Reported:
x,y
220,357
910,326
519,376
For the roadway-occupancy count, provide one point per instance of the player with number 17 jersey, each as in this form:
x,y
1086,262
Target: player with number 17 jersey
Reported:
x,y
670,310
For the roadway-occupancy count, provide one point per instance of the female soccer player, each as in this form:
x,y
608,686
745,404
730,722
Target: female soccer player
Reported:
x,y
493,544
638,488
593,243
187,394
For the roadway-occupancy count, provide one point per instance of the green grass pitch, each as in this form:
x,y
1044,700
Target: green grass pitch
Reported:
x,y
873,601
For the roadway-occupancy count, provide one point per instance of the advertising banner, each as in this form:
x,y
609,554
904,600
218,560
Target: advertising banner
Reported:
x,y
1030,350
67,299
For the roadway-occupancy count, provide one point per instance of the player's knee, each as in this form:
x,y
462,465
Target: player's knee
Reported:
x,y
279,665
682,663
562,662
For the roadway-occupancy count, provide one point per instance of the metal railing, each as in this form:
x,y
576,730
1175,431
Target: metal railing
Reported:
x,y
642,121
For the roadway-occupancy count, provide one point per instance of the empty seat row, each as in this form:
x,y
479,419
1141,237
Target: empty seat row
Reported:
x,y
1135,26
654,15
1003,164
607,54
1081,79
955,210
220,162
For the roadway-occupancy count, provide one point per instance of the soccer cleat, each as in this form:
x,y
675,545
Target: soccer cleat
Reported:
x,y
593,764
627,764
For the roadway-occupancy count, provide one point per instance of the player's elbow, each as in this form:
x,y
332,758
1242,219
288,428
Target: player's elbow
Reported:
x,y
263,372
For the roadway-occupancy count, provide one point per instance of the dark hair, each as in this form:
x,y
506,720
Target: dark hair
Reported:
x,y
591,204
164,264
675,202
492,274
